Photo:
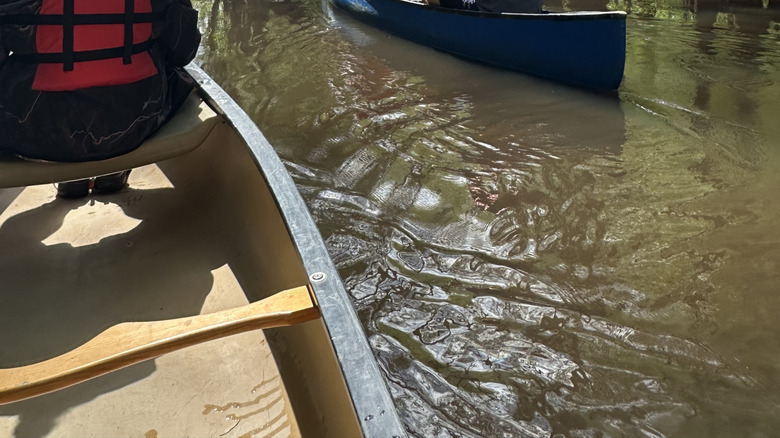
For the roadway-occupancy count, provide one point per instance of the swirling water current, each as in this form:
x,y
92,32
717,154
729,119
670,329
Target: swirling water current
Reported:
x,y
528,259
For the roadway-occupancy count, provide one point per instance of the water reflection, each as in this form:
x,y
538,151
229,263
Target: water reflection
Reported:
x,y
530,259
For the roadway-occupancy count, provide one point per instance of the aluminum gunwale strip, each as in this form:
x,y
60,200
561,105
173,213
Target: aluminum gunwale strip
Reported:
x,y
374,407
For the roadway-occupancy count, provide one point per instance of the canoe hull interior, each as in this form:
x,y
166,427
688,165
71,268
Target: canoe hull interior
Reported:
x,y
584,49
198,233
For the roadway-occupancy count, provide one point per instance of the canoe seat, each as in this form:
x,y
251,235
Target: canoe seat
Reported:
x,y
186,131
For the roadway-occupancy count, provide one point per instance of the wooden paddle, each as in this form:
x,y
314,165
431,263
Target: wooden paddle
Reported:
x,y
129,343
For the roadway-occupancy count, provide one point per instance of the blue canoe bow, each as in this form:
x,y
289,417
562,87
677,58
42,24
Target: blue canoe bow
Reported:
x,y
585,49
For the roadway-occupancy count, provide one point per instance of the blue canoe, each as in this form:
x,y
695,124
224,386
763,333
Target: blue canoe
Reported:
x,y
586,49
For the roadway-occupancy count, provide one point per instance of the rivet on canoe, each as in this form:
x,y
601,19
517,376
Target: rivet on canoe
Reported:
x,y
317,277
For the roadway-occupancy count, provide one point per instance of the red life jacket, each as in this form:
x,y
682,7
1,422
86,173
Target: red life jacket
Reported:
x,y
90,43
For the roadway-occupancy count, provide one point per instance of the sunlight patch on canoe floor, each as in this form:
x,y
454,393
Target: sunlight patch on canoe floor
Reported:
x,y
146,177
110,217
161,264
7,426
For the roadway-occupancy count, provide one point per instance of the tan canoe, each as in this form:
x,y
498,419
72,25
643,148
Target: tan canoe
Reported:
x,y
201,301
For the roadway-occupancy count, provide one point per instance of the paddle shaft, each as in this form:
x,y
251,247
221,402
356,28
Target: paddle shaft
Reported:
x,y
128,343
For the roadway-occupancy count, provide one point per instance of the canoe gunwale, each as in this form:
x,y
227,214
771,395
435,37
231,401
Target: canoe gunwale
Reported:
x,y
373,405
574,15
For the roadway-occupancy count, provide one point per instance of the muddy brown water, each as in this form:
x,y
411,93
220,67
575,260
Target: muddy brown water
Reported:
x,y
528,259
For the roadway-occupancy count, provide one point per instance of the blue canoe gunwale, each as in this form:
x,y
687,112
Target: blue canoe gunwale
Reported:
x,y
545,15
585,48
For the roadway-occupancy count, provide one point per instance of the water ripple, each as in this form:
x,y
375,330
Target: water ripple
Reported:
x,y
530,260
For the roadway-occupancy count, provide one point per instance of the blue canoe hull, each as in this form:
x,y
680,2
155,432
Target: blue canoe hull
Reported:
x,y
580,48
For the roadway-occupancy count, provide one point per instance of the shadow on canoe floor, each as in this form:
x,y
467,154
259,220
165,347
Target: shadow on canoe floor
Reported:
x,y
69,277
37,416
